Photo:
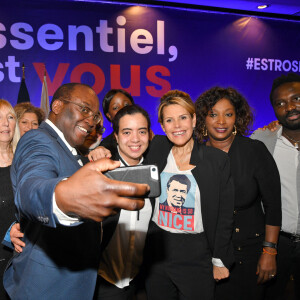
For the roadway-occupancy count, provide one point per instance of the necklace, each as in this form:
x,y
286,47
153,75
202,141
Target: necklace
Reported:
x,y
6,162
182,161
295,142
225,149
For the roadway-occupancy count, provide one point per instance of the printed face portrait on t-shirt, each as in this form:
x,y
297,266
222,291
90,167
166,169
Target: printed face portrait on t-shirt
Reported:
x,y
177,189
177,202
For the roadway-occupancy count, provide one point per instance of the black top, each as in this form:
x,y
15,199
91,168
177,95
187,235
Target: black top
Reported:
x,y
7,210
257,182
7,207
110,143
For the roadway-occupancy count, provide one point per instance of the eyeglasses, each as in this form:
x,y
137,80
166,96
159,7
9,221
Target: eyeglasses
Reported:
x,y
86,111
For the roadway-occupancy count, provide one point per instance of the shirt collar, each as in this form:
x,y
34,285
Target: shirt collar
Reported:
x,y
284,139
279,133
61,135
124,163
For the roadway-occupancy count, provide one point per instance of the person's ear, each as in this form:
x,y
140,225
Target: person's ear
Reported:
x,y
194,120
108,116
116,137
57,106
162,127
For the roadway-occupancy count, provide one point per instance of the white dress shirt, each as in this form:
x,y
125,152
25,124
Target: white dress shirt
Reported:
x,y
287,158
62,217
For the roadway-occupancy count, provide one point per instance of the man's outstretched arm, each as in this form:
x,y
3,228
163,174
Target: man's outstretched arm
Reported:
x,y
91,195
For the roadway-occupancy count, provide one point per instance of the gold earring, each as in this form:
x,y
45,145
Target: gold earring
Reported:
x,y
204,131
234,132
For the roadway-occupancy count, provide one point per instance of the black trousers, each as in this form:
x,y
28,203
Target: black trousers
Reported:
x,y
179,266
242,282
288,263
107,291
5,255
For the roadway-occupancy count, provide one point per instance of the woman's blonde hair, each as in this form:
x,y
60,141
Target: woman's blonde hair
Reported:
x,y
27,107
16,137
175,97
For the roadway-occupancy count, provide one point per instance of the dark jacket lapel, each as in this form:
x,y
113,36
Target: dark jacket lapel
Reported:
x,y
203,178
53,133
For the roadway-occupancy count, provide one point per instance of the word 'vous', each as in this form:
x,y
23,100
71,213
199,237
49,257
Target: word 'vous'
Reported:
x,y
156,76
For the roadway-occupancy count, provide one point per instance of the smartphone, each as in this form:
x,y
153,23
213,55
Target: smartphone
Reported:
x,y
138,174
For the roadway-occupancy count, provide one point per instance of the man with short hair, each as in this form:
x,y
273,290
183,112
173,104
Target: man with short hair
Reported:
x,y
284,146
55,197
178,187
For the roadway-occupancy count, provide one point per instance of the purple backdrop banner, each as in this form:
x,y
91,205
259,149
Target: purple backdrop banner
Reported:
x,y
146,50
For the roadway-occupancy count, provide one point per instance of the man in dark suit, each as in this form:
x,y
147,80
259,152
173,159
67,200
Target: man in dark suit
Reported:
x,y
55,198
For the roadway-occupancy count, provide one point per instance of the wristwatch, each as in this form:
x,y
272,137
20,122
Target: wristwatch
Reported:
x,y
269,244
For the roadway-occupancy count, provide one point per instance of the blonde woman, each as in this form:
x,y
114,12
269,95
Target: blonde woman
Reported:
x,y
189,237
9,137
29,117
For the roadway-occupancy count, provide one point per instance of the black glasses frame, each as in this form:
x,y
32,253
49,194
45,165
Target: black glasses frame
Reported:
x,y
86,111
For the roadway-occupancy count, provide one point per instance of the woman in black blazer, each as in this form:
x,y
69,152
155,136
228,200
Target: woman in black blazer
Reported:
x,y
188,242
223,118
